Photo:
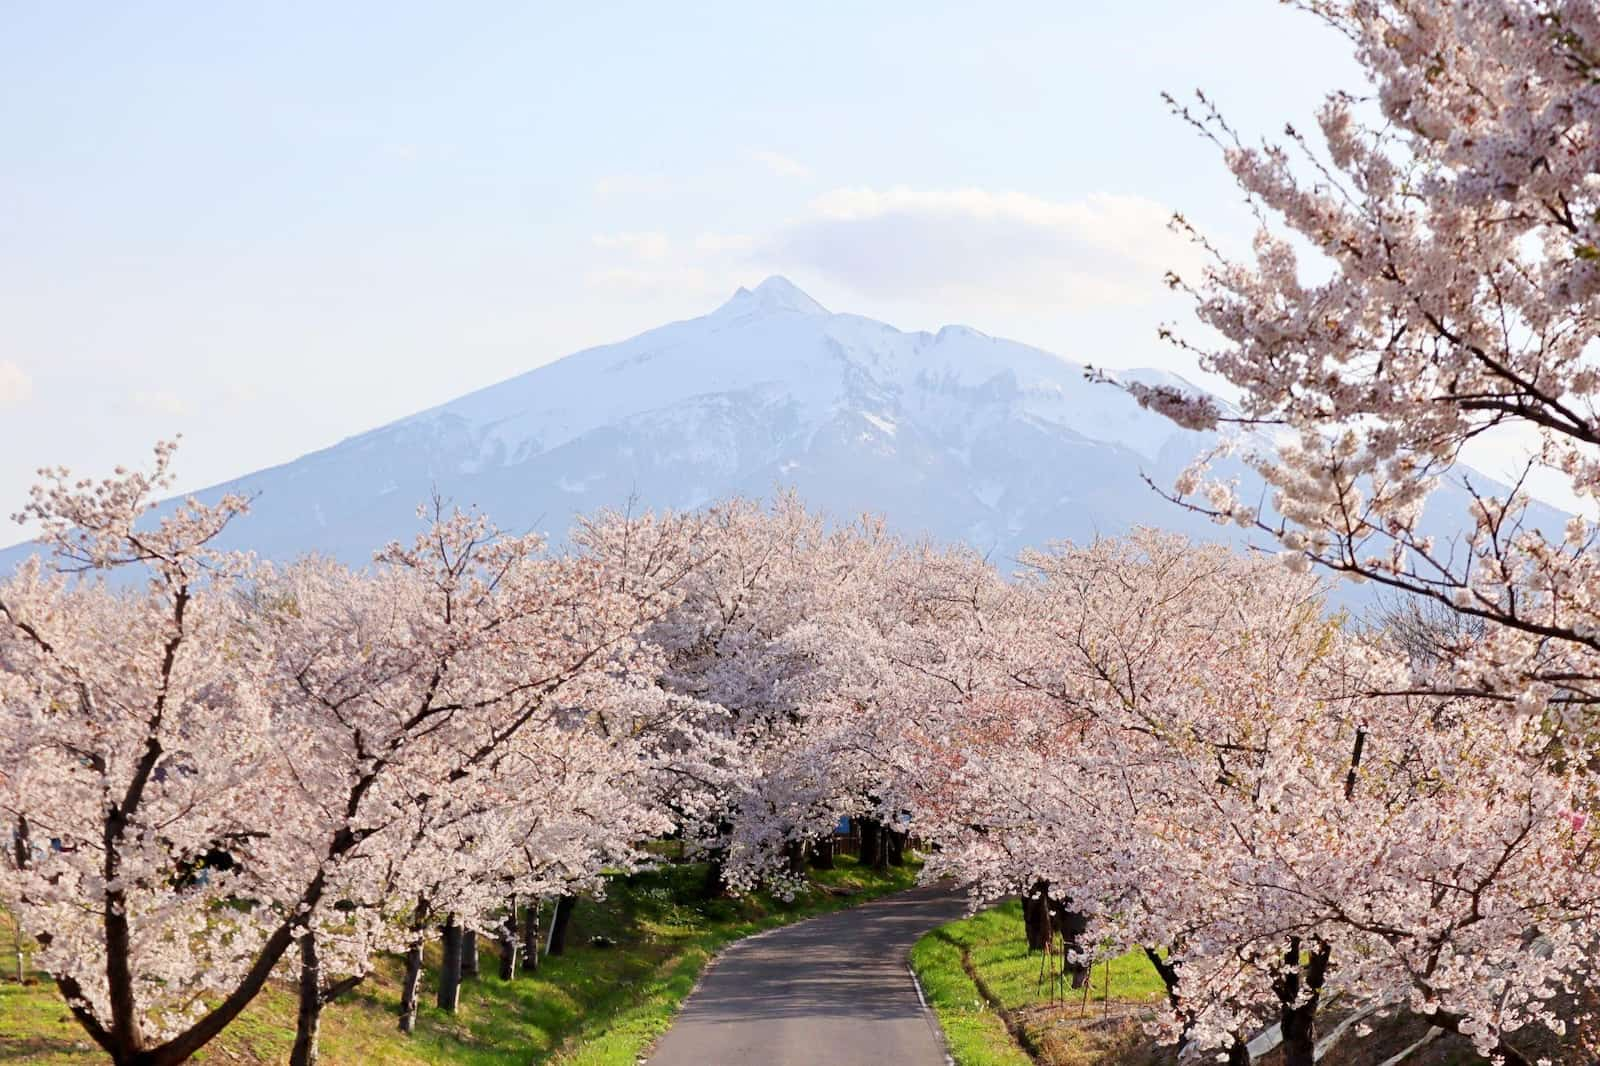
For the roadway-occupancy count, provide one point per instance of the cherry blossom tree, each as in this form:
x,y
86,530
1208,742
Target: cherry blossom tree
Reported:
x,y
227,760
1188,754
142,791
1174,745
1426,276
751,577
821,758
442,716
926,635
1423,279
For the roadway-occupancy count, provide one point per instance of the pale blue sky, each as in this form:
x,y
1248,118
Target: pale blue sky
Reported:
x,y
272,226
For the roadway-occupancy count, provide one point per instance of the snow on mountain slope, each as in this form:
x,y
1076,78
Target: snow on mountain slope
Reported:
x,y
952,434
778,343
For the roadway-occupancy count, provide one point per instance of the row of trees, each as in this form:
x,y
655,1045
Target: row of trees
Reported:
x,y
1423,281
208,762
1174,747
217,761
1175,744
1179,749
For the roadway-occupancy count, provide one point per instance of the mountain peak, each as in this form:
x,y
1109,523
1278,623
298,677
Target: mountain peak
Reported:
x,y
966,437
777,293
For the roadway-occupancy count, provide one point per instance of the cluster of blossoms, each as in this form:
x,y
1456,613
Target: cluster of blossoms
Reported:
x,y
1453,219
1178,747
218,761
1425,279
1174,744
213,761
210,761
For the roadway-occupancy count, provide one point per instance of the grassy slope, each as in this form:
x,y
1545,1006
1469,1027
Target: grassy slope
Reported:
x,y
975,1034
979,975
992,946
594,1006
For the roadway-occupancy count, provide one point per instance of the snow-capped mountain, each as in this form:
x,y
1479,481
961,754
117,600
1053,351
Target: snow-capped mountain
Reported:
x,y
953,434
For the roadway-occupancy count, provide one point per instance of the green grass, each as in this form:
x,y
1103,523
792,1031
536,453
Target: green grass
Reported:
x,y
975,1034
991,947
995,942
592,1007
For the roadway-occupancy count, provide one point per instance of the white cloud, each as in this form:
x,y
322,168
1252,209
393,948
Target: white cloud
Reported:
x,y
649,281
972,254
781,165
16,387
158,402
613,186
723,242
1510,451
652,246
241,394
1001,249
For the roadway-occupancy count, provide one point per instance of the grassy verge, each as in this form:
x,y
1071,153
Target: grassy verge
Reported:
x,y
974,1031
986,989
595,1006
996,1010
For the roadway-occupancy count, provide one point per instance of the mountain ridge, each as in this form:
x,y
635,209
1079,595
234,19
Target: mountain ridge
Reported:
x,y
952,434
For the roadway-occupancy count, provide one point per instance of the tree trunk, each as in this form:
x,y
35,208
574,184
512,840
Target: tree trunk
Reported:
x,y
450,967
124,1040
871,842
1169,979
794,854
530,935
712,887
309,1019
1298,1017
1036,915
895,846
1071,925
508,942
558,925
1299,1036
469,953
1238,1053
822,853
408,990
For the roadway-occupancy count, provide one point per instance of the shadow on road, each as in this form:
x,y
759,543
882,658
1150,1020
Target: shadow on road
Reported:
x,y
833,989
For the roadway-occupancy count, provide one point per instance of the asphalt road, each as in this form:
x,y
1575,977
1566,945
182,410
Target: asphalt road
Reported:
x,y
831,991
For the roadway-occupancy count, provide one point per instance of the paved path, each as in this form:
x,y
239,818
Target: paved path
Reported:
x,y
831,991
